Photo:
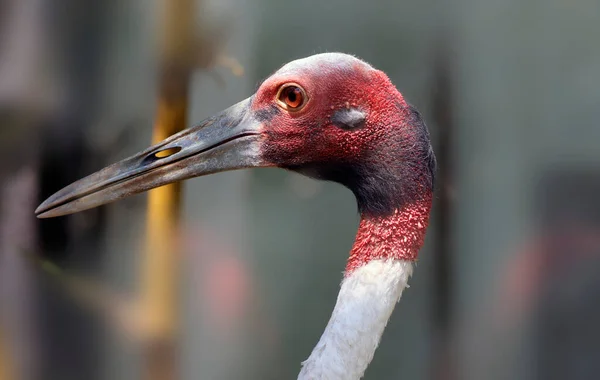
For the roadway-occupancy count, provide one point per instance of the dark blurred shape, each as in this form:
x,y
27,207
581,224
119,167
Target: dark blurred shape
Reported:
x,y
566,332
62,160
568,199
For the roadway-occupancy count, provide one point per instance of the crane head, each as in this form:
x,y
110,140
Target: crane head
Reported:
x,y
330,116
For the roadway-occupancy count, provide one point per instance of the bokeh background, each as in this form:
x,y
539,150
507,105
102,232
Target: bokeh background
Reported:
x,y
507,286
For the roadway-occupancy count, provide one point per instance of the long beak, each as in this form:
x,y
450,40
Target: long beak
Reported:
x,y
227,141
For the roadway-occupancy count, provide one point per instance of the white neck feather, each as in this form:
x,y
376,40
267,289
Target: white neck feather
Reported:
x,y
366,300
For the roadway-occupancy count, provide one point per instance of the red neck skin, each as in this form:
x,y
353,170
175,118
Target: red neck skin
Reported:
x,y
398,236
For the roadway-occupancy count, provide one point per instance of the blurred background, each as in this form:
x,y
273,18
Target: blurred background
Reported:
x,y
507,286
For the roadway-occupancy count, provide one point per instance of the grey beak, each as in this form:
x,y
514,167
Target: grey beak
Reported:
x,y
228,141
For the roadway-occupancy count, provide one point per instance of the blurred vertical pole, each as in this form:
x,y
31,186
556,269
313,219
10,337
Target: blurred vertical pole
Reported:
x,y
161,265
443,281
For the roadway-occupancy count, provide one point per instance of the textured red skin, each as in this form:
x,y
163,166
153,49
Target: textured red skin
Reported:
x,y
399,236
308,136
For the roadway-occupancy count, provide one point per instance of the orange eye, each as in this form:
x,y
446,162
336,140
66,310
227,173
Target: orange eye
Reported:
x,y
291,97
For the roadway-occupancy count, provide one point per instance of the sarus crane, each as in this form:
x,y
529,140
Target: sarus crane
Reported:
x,y
332,117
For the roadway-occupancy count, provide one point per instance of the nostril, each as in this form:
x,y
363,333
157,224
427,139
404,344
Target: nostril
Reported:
x,y
160,155
167,152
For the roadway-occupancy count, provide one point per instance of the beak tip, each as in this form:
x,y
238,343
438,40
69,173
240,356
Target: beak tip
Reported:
x,y
44,210
40,212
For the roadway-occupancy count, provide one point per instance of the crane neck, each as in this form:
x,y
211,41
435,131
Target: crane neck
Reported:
x,y
378,269
364,304
398,235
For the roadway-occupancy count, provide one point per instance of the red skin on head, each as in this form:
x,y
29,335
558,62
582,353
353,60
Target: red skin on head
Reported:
x,y
308,135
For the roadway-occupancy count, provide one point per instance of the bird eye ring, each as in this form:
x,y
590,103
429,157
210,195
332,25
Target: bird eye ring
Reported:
x,y
291,97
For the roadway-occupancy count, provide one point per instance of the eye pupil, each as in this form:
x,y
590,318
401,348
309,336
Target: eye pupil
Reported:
x,y
292,95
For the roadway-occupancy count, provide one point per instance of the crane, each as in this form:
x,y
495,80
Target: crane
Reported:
x,y
329,116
